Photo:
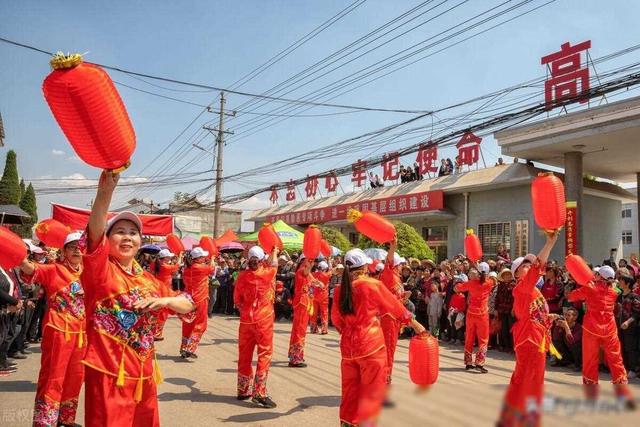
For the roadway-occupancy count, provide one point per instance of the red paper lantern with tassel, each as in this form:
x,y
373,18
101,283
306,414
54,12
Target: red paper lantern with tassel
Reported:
x,y
472,246
325,248
268,238
547,199
88,108
209,245
12,249
52,232
175,244
424,361
372,225
579,269
311,242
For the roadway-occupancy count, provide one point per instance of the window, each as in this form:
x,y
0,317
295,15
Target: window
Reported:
x,y
435,234
521,239
627,238
492,234
353,238
626,213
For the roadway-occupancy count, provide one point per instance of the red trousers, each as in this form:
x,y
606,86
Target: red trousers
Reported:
x,y
298,334
192,332
391,330
250,336
320,308
591,346
107,404
363,387
477,327
523,400
61,377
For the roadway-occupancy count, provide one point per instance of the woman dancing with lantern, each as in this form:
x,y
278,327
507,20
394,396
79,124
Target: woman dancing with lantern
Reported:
x,y
63,336
302,308
357,303
321,298
164,271
122,302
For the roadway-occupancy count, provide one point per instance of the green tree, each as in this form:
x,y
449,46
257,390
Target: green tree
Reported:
x,y
335,238
28,204
23,189
10,183
410,243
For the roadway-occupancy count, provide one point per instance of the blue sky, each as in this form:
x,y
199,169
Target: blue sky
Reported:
x,y
216,43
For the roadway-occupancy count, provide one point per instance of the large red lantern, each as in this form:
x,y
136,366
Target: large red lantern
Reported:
x,y
52,232
209,245
424,362
547,199
311,242
88,108
472,246
325,248
12,249
372,225
579,269
268,238
175,244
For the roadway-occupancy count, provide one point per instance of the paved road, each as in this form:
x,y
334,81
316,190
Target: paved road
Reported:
x,y
202,393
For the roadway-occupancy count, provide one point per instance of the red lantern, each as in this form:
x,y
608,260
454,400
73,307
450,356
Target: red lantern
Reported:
x,y
52,232
12,249
472,246
325,248
311,243
209,245
175,244
88,108
424,362
547,199
372,225
268,238
579,269
227,237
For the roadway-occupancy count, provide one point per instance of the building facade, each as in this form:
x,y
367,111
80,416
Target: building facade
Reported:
x,y
629,229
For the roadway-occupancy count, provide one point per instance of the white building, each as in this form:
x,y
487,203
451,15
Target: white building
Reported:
x,y
629,229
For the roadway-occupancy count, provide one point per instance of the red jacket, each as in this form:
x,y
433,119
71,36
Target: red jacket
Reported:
x,y
319,294
531,310
392,281
458,303
478,295
196,281
601,301
165,273
361,331
254,294
301,294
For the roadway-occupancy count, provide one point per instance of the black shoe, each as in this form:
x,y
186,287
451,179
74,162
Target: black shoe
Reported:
x,y
481,369
192,355
25,352
468,367
17,356
297,365
243,397
630,405
11,364
388,404
264,402
184,354
158,338
6,370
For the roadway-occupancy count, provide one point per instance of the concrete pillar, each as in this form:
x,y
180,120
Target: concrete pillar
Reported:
x,y
574,190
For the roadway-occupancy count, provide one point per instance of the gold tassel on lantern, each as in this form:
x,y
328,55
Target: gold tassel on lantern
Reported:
x,y
353,215
554,351
121,371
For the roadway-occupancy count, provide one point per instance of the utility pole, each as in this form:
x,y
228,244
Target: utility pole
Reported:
x,y
218,169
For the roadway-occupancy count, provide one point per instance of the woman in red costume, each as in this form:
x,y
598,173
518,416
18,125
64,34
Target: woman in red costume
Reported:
x,y
479,287
164,271
390,277
531,340
196,282
302,308
321,298
121,300
63,336
600,333
357,304
254,295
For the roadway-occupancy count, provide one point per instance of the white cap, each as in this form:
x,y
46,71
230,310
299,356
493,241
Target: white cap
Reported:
x,y
357,258
606,272
379,267
518,261
72,237
493,274
322,265
483,267
339,267
166,253
198,252
128,216
256,252
397,260
283,257
36,249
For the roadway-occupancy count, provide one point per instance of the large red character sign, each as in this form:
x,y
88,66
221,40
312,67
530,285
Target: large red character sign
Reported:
x,y
274,195
427,157
468,149
359,173
331,182
391,166
291,191
566,72
311,187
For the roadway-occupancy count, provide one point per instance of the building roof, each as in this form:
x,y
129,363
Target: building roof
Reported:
x,y
507,175
12,214
607,136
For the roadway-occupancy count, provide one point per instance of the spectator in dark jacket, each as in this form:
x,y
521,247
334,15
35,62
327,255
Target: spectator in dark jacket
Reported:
x,y
628,316
504,308
567,338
